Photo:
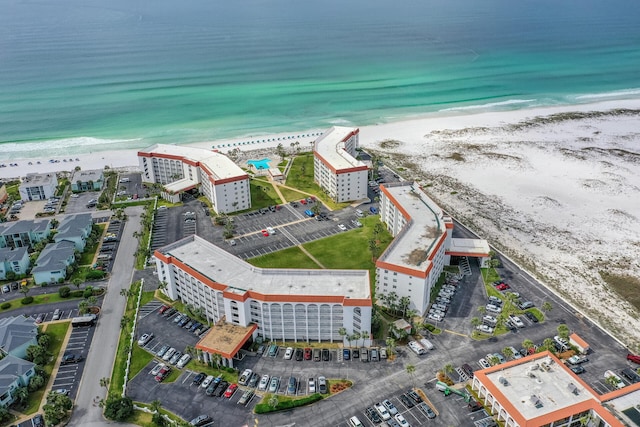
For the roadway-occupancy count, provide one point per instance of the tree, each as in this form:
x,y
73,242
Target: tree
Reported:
x,y
548,344
25,290
82,306
563,331
281,152
92,300
391,345
157,418
56,408
475,322
365,336
612,381
21,394
482,310
527,344
36,354
373,248
410,315
124,321
546,306
404,305
448,368
342,332
493,360
4,413
118,408
104,382
508,353
43,341
356,336
273,401
411,369
36,382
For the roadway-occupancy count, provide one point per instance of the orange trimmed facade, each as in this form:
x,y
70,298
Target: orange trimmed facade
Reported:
x,y
335,167
516,393
181,169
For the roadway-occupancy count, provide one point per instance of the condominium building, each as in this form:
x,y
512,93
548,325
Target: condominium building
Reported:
x,y
38,186
413,262
335,167
539,390
24,233
181,169
285,304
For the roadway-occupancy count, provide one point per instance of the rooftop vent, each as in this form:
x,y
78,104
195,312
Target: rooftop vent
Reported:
x,y
503,381
535,401
573,389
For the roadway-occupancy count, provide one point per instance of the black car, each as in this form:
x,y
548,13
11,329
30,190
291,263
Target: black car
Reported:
x,y
253,381
355,353
413,395
299,354
372,414
325,354
408,402
427,410
200,420
221,389
71,358
531,316
197,380
577,370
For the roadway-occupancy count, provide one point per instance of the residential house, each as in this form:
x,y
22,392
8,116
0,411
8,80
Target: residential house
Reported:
x,y
89,180
14,373
13,260
51,265
38,186
16,334
76,229
24,233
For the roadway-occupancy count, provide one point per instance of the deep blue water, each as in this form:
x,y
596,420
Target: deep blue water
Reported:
x,y
86,75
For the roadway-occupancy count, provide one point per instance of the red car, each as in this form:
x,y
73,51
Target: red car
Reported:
x,y
164,373
503,287
307,353
633,358
265,233
163,309
303,201
230,390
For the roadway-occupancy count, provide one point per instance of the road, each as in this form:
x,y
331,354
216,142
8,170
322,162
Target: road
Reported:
x,y
102,353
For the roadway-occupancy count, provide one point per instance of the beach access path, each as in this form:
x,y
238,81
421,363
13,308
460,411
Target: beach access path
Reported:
x,y
102,352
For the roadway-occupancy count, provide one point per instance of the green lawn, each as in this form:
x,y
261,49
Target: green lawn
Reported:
x,y
90,251
301,177
117,376
291,195
37,299
139,359
263,194
57,332
287,258
490,276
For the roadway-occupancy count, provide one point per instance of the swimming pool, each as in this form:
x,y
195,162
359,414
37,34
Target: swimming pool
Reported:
x,y
260,164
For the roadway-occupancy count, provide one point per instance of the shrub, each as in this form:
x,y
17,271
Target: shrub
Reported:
x,y
95,275
77,294
88,292
263,408
118,409
26,300
5,305
64,291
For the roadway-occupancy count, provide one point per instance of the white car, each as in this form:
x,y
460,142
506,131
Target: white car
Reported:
x,y
490,319
169,354
264,382
483,362
485,329
157,369
245,377
517,321
436,317
400,419
145,338
342,227
312,385
183,361
390,407
384,414
289,353
207,381
271,230
493,309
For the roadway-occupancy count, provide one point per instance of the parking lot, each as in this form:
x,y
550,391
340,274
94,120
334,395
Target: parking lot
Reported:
x,y
77,203
130,187
69,375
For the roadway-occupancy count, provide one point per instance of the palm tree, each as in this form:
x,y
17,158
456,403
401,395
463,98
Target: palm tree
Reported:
x,y
404,305
356,337
410,315
343,333
411,370
392,299
22,394
273,401
391,345
475,322
563,331
82,306
493,360
527,344
365,336
546,306
155,405
448,368
482,310
508,353
217,359
548,344
124,321
104,382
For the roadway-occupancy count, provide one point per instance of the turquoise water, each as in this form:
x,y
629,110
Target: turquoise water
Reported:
x,y
82,75
260,164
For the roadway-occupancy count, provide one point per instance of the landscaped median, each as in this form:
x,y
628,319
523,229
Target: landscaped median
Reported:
x,y
272,402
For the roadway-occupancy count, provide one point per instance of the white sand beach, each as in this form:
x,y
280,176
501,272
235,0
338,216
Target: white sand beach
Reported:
x,y
561,195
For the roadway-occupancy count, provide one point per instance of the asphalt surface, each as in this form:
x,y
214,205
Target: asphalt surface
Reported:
x,y
101,355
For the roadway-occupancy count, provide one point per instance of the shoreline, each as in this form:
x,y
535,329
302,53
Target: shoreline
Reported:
x,y
454,119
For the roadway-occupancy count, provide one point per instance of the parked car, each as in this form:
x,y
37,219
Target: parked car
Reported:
x,y
526,304
207,381
38,421
407,402
483,362
322,385
326,355
156,369
292,385
485,329
414,396
245,377
163,373
384,413
145,338
230,390
288,353
307,353
246,397
273,385
298,354
346,354
253,381
633,358
372,414
531,316
390,406
401,420
183,361
56,314
162,351
169,354
221,389
200,420
264,382
577,370
71,358
311,385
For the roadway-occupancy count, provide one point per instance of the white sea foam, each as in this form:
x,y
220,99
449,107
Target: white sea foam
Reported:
x,y
491,105
78,144
631,92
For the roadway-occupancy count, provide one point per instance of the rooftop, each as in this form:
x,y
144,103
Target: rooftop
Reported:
x,y
412,247
217,165
12,367
222,267
24,226
94,175
225,338
73,226
16,331
39,179
10,255
538,386
473,247
54,256
330,146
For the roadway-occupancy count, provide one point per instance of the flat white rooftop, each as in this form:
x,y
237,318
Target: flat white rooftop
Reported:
x,y
538,387
217,164
330,146
412,247
470,246
225,268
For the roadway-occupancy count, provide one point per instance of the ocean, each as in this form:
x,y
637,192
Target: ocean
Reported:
x,y
79,76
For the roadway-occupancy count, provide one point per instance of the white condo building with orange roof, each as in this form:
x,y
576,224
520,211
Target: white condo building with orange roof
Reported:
x,y
286,304
335,167
422,244
180,168
541,391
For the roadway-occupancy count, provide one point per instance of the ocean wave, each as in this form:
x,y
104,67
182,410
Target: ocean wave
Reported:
x,y
491,105
606,95
340,122
78,144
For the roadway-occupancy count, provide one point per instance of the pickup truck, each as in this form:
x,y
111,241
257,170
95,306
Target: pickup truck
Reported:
x,y
576,360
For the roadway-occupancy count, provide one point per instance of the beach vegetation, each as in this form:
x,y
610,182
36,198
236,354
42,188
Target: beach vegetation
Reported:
x,y
624,285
